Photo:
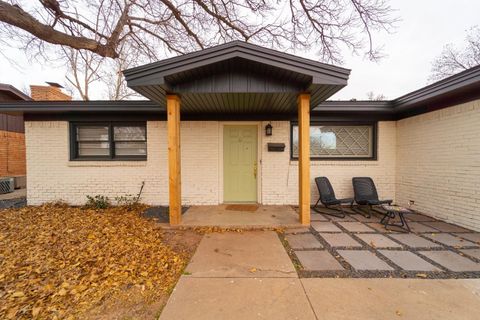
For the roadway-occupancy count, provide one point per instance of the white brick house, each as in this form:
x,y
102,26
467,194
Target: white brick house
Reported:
x,y
422,147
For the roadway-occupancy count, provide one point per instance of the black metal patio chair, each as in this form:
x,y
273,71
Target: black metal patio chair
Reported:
x,y
328,199
366,195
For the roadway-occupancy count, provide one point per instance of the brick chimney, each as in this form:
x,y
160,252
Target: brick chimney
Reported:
x,y
52,92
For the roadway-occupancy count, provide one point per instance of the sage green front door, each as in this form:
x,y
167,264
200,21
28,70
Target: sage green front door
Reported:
x,y
240,163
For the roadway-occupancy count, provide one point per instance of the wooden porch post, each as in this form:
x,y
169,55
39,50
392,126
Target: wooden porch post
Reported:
x,y
304,157
174,164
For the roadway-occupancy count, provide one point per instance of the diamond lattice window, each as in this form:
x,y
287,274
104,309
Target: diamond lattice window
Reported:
x,y
338,141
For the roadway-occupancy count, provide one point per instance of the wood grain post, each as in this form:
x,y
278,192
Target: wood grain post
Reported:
x,y
304,158
174,163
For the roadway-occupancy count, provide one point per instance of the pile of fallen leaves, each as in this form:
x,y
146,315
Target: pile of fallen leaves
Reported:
x,y
57,262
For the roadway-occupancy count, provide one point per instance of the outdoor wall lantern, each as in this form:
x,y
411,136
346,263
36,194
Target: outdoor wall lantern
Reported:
x,y
268,130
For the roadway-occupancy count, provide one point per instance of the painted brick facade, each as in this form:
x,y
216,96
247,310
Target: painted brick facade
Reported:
x,y
280,174
438,163
12,153
53,177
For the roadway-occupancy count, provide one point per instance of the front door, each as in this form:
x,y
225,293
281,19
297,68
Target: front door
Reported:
x,y
240,163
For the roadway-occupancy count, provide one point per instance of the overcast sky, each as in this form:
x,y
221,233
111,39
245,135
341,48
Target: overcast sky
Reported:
x,y
425,27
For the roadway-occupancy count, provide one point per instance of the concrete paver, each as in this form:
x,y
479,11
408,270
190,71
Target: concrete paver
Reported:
x,y
408,260
232,254
414,241
318,260
475,253
362,218
340,240
325,227
356,226
420,227
449,240
363,260
317,217
378,241
381,299
474,237
445,227
419,217
303,241
237,298
297,230
451,260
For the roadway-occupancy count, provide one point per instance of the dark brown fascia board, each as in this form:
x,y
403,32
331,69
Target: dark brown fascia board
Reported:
x,y
14,91
21,107
317,70
446,87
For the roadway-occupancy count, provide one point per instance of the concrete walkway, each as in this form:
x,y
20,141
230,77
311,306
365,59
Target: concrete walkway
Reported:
x,y
250,276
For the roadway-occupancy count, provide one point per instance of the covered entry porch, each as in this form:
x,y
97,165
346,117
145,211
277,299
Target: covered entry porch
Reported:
x,y
237,82
250,216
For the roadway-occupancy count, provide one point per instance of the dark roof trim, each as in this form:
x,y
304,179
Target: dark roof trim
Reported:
x,y
319,71
468,80
79,106
14,91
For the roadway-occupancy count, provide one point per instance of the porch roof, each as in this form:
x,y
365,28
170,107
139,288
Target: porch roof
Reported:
x,y
237,77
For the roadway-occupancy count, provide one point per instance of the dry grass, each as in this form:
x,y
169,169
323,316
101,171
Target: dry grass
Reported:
x,y
59,262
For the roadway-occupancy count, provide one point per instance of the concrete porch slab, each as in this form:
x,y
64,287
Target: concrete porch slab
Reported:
x,y
252,254
238,298
219,216
379,299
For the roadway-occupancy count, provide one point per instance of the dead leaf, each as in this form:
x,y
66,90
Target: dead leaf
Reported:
x,y
421,275
253,270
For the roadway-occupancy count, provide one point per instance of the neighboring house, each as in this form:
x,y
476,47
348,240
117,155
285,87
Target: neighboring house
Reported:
x,y
423,146
12,129
12,137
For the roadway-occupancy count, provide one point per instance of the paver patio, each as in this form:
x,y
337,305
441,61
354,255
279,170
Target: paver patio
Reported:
x,y
414,241
449,240
475,253
317,260
325,227
355,226
303,241
421,228
340,240
408,260
452,261
363,260
474,237
378,241
445,227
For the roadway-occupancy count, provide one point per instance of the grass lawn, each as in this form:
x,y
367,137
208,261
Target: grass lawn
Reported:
x,y
59,262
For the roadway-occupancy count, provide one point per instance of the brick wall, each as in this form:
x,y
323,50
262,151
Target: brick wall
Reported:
x,y
51,176
280,174
48,93
438,163
12,153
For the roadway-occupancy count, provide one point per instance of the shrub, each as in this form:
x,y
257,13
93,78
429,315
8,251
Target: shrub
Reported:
x,y
97,202
128,201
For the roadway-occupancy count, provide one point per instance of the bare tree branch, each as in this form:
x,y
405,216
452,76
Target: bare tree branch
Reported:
x,y
452,60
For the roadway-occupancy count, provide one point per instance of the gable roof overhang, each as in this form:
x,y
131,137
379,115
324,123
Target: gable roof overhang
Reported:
x,y
13,92
237,77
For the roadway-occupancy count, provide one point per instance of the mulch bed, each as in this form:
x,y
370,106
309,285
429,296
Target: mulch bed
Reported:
x,y
62,262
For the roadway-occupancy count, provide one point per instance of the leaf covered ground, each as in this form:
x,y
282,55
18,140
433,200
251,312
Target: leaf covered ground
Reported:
x,y
59,262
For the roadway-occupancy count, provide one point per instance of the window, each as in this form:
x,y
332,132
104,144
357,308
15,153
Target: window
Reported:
x,y
108,141
338,141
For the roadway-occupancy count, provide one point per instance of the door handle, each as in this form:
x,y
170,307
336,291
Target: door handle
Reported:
x,y
255,170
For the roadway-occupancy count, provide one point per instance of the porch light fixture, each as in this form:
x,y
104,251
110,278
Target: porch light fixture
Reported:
x,y
268,130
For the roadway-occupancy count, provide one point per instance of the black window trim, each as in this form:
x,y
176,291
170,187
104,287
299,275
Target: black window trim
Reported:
x,y
111,157
373,124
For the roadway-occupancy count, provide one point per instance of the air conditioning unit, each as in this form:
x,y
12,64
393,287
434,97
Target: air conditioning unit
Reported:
x,y
7,185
